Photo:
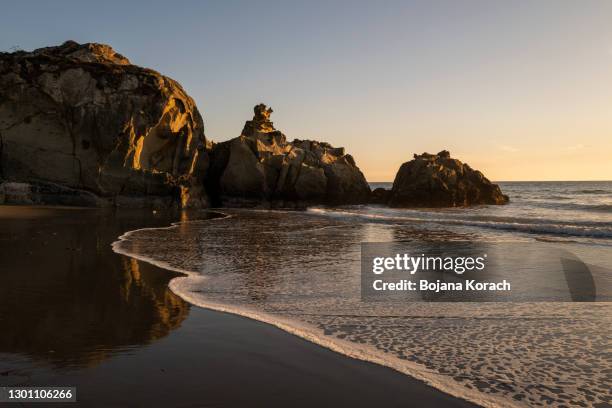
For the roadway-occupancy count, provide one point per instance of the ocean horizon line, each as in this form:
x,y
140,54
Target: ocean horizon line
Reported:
x,y
529,181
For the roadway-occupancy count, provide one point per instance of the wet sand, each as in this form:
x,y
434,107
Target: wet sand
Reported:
x,y
74,313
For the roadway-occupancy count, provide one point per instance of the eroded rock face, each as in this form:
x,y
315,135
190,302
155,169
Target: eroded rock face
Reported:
x,y
81,117
260,166
437,180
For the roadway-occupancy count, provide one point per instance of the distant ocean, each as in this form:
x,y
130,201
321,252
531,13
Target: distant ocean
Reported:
x,y
563,209
300,271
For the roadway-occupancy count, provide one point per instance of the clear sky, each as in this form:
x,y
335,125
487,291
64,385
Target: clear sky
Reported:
x,y
519,90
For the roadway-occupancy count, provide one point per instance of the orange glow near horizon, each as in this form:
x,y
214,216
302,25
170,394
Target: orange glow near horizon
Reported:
x,y
521,90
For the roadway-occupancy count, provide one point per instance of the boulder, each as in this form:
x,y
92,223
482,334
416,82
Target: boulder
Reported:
x,y
380,196
261,168
81,120
440,181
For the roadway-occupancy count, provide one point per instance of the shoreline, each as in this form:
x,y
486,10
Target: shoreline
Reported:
x,y
42,367
475,347
314,335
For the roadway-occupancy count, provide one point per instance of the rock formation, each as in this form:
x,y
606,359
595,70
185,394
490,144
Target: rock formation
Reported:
x,y
260,166
81,125
440,181
380,196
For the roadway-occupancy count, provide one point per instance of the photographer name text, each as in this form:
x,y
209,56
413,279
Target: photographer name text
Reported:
x,y
440,286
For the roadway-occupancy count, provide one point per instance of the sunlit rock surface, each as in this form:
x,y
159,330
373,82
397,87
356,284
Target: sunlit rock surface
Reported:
x,y
83,126
260,167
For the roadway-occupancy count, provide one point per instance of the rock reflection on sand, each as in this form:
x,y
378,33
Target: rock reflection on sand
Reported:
x,y
304,269
66,299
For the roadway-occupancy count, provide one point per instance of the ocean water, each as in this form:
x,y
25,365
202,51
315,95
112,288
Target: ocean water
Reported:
x,y
577,210
301,272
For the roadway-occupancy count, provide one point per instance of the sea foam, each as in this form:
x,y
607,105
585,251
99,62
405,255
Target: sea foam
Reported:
x,y
299,272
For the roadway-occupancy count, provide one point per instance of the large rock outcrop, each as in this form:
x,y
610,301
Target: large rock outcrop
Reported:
x,y
81,125
437,180
261,167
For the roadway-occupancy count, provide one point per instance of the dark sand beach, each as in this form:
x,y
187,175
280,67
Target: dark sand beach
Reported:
x,y
74,313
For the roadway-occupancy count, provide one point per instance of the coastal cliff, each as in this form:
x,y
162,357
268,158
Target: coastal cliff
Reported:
x,y
260,167
81,125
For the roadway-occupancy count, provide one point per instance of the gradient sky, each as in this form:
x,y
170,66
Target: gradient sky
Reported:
x,y
519,90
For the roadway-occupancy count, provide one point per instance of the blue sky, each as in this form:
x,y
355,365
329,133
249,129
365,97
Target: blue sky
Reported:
x,y
520,90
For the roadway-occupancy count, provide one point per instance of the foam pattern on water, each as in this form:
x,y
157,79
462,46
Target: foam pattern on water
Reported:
x,y
301,272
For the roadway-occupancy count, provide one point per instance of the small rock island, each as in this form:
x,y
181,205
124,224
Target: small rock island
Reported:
x,y
437,180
